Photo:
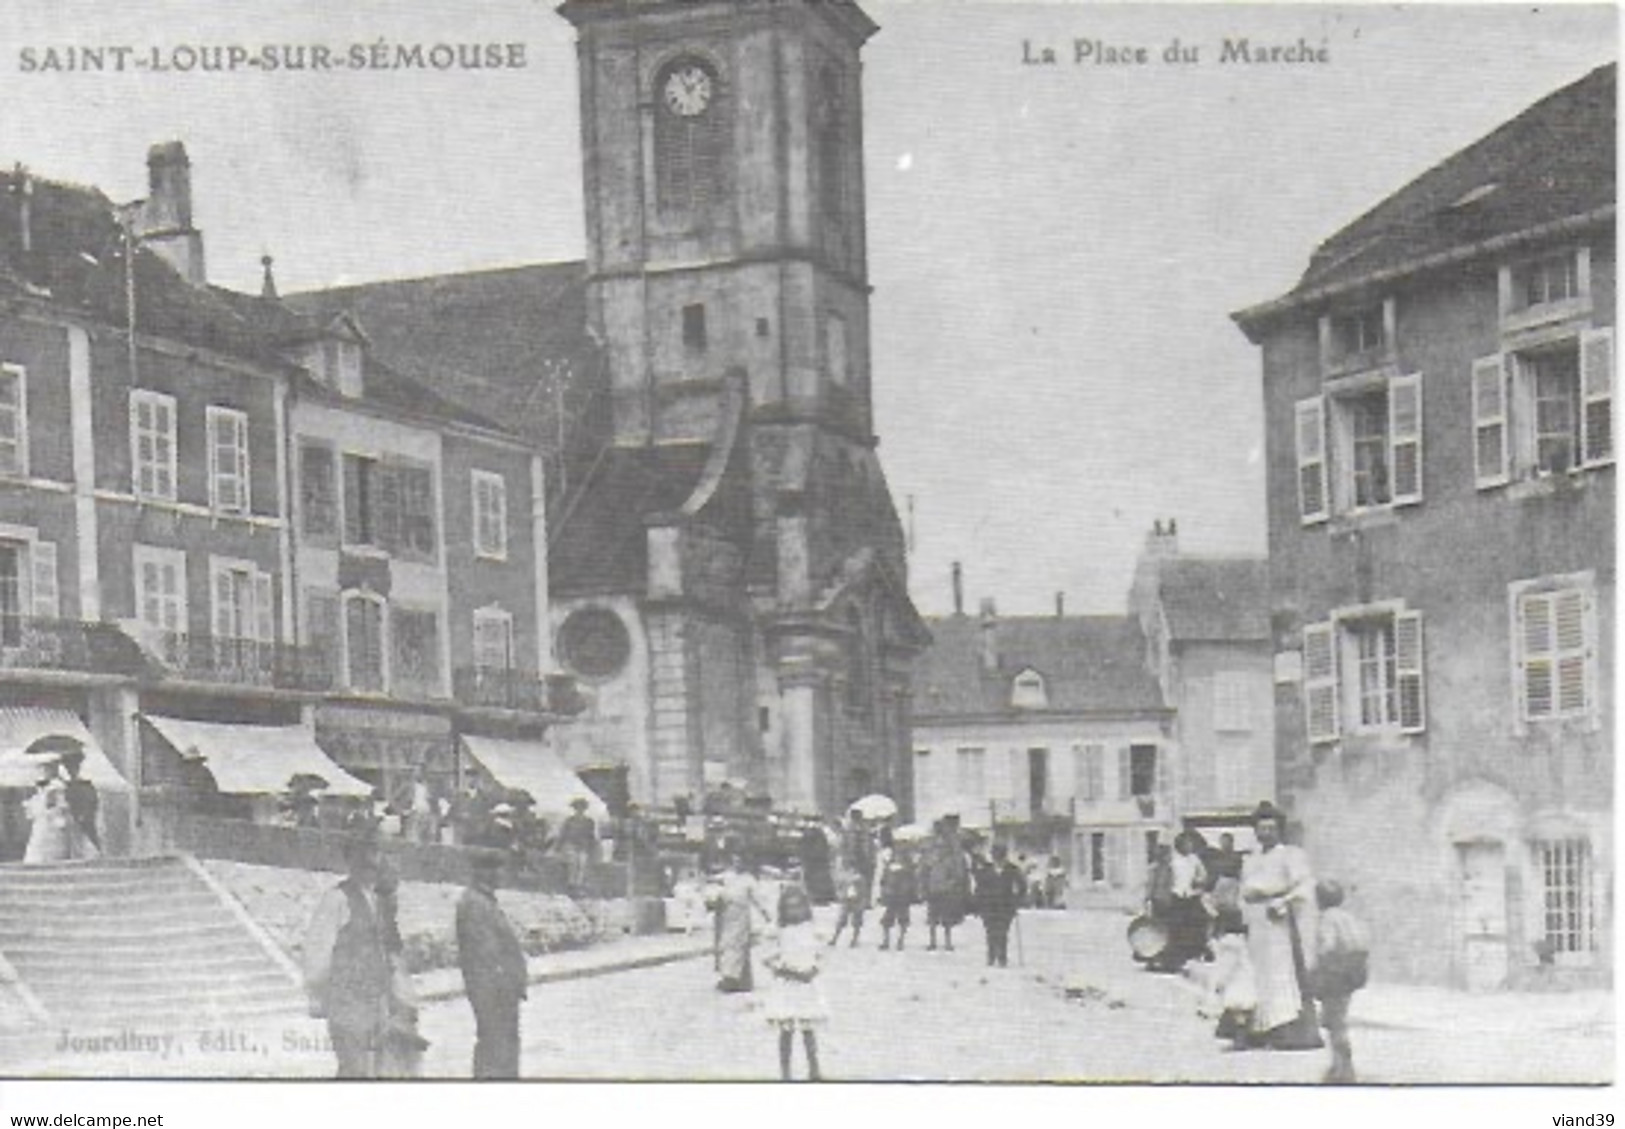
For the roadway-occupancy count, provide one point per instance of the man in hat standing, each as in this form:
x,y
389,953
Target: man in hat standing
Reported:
x,y
494,973
578,839
346,958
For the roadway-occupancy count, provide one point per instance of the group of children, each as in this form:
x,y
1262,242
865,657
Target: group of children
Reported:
x,y
1342,950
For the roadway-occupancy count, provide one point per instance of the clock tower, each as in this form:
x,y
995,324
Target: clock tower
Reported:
x,y
727,283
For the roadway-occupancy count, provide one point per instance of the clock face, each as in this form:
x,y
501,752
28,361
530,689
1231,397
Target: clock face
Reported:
x,y
688,91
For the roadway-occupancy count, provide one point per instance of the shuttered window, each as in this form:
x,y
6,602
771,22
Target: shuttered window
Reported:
x,y
152,445
13,420
1555,634
1310,427
1490,435
364,643
47,602
228,460
1405,438
1320,682
1597,377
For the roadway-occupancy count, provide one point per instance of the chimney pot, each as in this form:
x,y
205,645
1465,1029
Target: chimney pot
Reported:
x,y
959,589
268,285
1060,605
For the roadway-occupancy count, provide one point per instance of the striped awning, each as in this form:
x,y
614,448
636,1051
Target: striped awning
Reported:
x,y
21,726
255,759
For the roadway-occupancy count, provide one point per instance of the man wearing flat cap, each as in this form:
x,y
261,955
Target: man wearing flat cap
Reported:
x,y
494,973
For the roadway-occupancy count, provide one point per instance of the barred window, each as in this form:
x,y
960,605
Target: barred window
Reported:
x,y
1568,896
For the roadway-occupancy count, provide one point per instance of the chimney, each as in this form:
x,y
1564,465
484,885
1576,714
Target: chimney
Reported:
x,y
165,223
1060,605
959,589
268,283
1163,540
23,185
990,637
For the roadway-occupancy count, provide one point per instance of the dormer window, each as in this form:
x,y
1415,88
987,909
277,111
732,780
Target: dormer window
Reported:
x,y
341,366
1550,288
1027,691
1357,338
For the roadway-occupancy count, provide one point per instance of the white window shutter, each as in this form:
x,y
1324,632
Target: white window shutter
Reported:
x,y
1592,687
1310,428
1408,668
1536,648
1320,705
1405,437
1571,639
264,620
1597,384
225,600
1490,420
46,602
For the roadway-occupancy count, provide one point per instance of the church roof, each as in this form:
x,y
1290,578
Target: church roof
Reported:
x,y
1552,162
1215,599
1090,664
511,343
599,542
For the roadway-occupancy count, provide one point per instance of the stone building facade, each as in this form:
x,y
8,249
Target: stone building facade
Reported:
x,y
1440,432
727,569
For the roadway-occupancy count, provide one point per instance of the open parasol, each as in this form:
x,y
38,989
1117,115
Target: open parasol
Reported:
x,y
875,807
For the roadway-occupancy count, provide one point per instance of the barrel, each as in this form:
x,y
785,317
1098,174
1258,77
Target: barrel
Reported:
x,y
1147,938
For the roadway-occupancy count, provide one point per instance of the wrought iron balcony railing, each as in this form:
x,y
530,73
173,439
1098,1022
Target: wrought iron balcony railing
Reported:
x,y
247,662
510,688
27,643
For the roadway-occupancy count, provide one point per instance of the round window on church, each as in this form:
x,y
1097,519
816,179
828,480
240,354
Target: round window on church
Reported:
x,y
594,643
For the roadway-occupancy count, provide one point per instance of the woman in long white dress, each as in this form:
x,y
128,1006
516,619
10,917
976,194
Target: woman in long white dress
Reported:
x,y
1278,904
50,831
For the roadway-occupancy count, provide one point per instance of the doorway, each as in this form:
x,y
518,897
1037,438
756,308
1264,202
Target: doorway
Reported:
x,y
1483,899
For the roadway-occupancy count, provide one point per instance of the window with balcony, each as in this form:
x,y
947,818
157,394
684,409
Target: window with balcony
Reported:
x,y
1363,673
490,516
493,642
228,460
364,643
13,421
160,593
318,492
152,445
414,652
1544,410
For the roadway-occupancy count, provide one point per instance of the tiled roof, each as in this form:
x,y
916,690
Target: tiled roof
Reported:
x,y
1090,664
598,543
1552,162
510,344
1216,599
75,258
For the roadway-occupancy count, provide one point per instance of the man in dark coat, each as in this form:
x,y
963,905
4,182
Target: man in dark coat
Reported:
x,y
494,972
999,888
347,974
578,840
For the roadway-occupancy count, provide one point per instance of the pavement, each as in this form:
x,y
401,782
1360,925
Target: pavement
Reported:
x,y
1075,1008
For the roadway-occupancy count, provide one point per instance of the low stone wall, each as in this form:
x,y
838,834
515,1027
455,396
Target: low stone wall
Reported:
x,y
283,899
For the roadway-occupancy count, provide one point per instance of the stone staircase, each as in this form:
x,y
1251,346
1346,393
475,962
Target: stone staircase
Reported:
x,y
149,944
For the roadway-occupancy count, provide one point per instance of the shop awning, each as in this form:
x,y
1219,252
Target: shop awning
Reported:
x,y
531,766
21,726
255,759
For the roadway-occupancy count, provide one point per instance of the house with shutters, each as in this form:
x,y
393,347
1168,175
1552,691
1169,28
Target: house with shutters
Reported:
x,y
234,546
1051,733
1438,393
1205,620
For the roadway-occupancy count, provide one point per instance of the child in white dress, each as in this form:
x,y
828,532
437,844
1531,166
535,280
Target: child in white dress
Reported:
x,y
796,999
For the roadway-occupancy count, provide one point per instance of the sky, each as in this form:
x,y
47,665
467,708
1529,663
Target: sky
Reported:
x,y
1055,250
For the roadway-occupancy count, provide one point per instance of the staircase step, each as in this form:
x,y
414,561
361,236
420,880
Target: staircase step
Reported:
x,y
140,944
